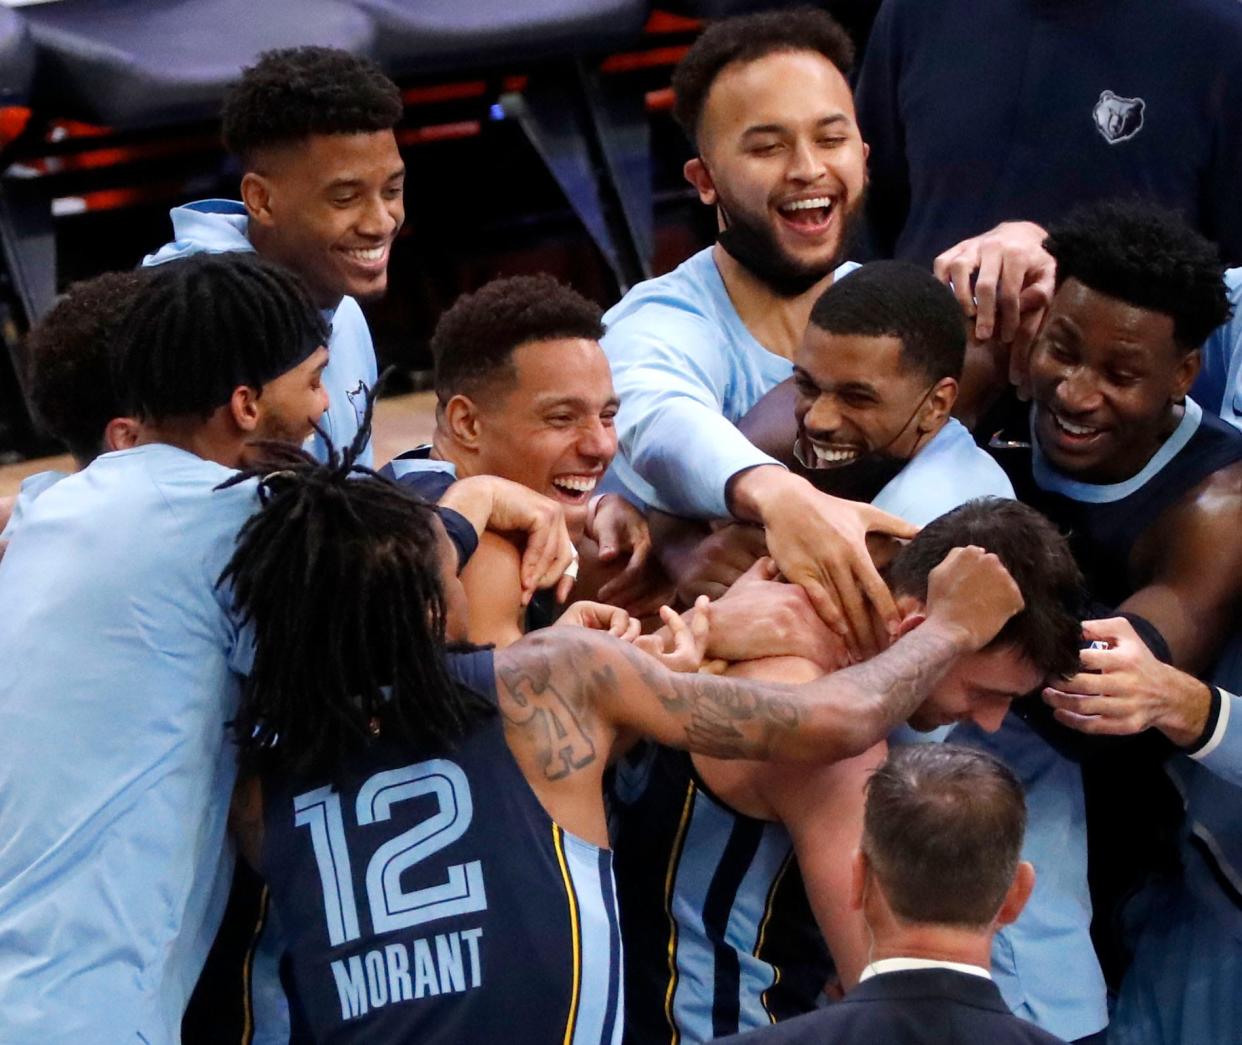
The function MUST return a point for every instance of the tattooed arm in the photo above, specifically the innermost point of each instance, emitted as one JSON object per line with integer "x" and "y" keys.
{"x": 569, "y": 692}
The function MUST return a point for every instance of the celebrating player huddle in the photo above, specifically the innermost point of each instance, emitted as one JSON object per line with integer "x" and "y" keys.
{"x": 748, "y": 659}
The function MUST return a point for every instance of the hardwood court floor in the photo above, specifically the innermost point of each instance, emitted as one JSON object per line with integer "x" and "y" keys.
{"x": 401, "y": 423}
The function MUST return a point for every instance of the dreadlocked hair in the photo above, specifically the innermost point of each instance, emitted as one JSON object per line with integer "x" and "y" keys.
{"x": 206, "y": 324}
{"x": 338, "y": 574}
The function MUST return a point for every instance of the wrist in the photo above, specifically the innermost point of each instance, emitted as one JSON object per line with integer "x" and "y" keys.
{"x": 963, "y": 638}
{"x": 1190, "y": 704}
{"x": 471, "y": 498}
{"x": 751, "y": 494}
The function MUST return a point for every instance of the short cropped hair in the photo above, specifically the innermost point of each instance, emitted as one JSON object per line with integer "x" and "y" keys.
{"x": 295, "y": 92}
{"x": 1048, "y": 630}
{"x": 748, "y": 38}
{"x": 474, "y": 340}
{"x": 1147, "y": 257}
{"x": 207, "y": 324}
{"x": 897, "y": 299}
{"x": 69, "y": 356}
{"x": 942, "y": 831}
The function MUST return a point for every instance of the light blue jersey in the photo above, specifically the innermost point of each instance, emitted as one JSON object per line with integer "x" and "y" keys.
{"x": 218, "y": 227}
{"x": 120, "y": 672}
{"x": 1219, "y": 386}
{"x": 31, "y": 487}
{"x": 1044, "y": 964}
{"x": 686, "y": 370}
{"x": 946, "y": 473}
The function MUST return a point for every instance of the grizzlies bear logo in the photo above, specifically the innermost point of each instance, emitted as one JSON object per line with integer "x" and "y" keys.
{"x": 1118, "y": 119}
{"x": 357, "y": 397}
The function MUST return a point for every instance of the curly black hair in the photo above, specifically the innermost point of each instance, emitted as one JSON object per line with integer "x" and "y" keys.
{"x": 69, "y": 359}
{"x": 1148, "y": 257}
{"x": 294, "y": 92}
{"x": 897, "y": 299}
{"x": 748, "y": 38}
{"x": 1038, "y": 557}
{"x": 475, "y": 339}
{"x": 338, "y": 575}
{"x": 206, "y": 324}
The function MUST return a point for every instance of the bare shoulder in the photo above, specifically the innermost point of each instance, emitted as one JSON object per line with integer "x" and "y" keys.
{"x": 1200, "y": 529}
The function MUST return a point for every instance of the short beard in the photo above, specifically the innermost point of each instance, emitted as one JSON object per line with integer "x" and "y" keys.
{"x": 753, "y": 245}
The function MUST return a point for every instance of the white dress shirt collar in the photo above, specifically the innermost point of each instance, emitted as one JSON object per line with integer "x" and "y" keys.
{"x": 905, "y": 964}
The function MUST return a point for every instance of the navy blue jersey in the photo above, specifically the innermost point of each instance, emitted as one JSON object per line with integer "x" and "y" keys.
{"x": 429, "y": 897}
{"x": 719, "y": 936}
{"x": 1104, "y": 522}
{"x": 1133, "y": 812}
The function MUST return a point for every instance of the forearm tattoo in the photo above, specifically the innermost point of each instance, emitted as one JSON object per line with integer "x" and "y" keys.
{"x": 722, "y": 717}
{"x": 898, "y": 680}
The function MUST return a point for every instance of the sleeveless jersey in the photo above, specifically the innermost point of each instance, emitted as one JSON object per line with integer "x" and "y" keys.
{"x": 1132, "y": 813}
{"x": 719, "y": 936}
{"x": 429, "y": 897}
{"x": 1105, "y": 521}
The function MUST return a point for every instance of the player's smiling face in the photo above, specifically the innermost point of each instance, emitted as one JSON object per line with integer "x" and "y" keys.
{"x": 1104, "y": 377}
{"x": 336, "y": 206}
{"x": 854, "y": 396}
{"x": 551, "y": 427}
{"x": 293, "y": 403}
{"x": 782, "y": 154}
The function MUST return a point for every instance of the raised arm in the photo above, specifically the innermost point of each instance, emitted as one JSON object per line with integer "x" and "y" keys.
{"x": 579, "y": 688}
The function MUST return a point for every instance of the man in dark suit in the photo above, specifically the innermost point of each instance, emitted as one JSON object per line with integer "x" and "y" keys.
{"x": 936, "y": 875}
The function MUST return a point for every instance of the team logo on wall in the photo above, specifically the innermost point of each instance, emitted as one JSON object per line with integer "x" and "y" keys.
{"x": 1118, "y": 119}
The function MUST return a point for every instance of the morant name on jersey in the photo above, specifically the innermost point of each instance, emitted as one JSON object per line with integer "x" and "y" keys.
{"x": 426, "y": 966}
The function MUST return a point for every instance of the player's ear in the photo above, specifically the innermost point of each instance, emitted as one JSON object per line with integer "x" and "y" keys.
{"x": 912, "y": 613}
{"x": 121, "y": 433}
{"x": 256, "y": 194}
{"x": 1188, "y": 368}
{"x": 1019, "y": 892}
{"x": 940, "y": 402}
{"x": 700, "y": 177}
{"x": 244, "y": 408}
{"x": 462, "y": 421}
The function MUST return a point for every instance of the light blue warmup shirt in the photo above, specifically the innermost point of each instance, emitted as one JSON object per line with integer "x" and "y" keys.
{"x": 121, "y": 666}
{"x": 31, "y": 487}
{"x": 1219, "y": 385}
{"x": 686, "y": 370}
{"x": 1044, "y": 963}
{"x": 218, "y": 227}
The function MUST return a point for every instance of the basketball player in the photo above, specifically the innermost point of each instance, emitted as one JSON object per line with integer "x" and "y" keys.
{"x": 1150, "y": 487}
{"x": 717, "y": 861}
{"x": 524, "y": 392}
{"x": 321, "y": 193}
{"x": 432, "y": 826}
{"x": 69, "y": 377}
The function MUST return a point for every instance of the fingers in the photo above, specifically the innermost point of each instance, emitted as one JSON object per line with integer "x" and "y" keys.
{"x": 1067, "y": 695}
{"x": 701, "y": 624}
{"x": 1009, "y": 298}
{"x": 986, "y": 290}
{"x": 880, "y": 599}
{"x": 954, "y": 267}
{"x": 877, "y": 521}
{"x": 566, "y": 569}
{"x": 861, "y": 640}
{"x": 1110, "y": 629}
{"x": 762, "y": 569}
{"x": 633, "y": 629}
{"x": 829, "y": 610}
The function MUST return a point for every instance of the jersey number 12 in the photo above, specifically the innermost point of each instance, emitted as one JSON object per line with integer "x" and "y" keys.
{"x": 391, "y": 906}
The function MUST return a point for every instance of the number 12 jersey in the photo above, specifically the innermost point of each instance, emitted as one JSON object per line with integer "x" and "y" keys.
{"x": 429, "y": 897}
